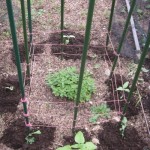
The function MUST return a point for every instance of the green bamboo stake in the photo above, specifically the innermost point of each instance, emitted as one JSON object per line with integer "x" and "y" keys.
{"x": 16, "y": 51}
{"x": 144, "y": 53}
{"x": 123, "y": 35}
{"x": 62, "y": 25}
{"x": 84, "y": 55}
{"x": 110, "y": 21}
{"x": 29, "y": 19}
{"x": 25, "y": 37}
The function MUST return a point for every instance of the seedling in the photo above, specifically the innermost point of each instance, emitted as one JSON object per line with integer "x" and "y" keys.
{"x": 30, "y": 139}
{"x": 11, "y": 88}
{"x": 99, "y": 111}
{"x": 123, "y": 125}
{"x": 66, "y": 38}
{"x": 124, "y": 87}
{"x": 80, "y": 144}
{"x": 64, "y": 83}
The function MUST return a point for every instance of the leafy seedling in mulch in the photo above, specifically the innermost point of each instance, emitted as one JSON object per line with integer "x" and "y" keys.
{"x": 80, "y": 144}
{"x": 101, "y": 111}
{"x": 30, "y": 139}
{"x": 66, "y": 38}
{"x": 123, "y": 125}
{"x": 64, "y": 83}
{"x": 124, "y": 88}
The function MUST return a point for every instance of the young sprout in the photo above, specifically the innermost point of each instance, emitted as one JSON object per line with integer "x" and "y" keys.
{"x": 124, "y": 87}
{"x": 66, "y": 38}
{"x": 30, "y": 138}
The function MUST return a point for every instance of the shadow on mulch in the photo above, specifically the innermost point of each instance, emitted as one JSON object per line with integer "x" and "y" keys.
{"x": 14, "y": 137}
{"x": 132, "y": 110}
{"x": 9, "y": 99}
{"x": 38, "y": 49}
{"x": 69, "y": 140}
{"x": 111, "y": 139}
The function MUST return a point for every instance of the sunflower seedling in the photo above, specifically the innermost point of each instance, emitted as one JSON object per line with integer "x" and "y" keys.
{"x": 80, "y": 144}
{"x": 66, "y": 38}
{"x": 30, "y": 139}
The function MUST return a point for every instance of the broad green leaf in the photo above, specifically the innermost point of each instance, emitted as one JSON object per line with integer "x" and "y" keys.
{"x": 124, "y": 120}
{"x": 127, "y": 90}
{"x": 67, "y": 147}
{"x": 37, "y": 132}
{"x": 90, "y": 146}
{"x": 75, "y": 146}
{"x": 79, "y": 138}
{"x": 120, "y": 89}
{"x": 71, "y": 36}
{"x": 125, "y": 85}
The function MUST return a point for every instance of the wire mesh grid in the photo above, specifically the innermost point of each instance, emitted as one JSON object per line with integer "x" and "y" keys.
{"x": 45, "y": 108}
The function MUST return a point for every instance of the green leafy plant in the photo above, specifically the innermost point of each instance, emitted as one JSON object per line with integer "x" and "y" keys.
{"x": 64, "y": 83}
{"x": 30, "y": 139}
{"x": 80, "y": 144}
{"x": 123, "y": 125}
{"x": 66, "y": 38}
{"x": 124, "y": 87}
{"x": 102, "y": 111}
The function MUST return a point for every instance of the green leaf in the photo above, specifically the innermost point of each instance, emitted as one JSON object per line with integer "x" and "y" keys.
{"x": 37, "y": 132}
{"x": 90, "y": 146}
{"x": 94, "y": 118}
{"x": 120, "y": 89}
{"x": 67, "y": 147}
{"x": 145, "y": 70}
{"x": 79, "y": 138}
{"x": 125, "y": 85}
{"x": 71, "y": 36}
{"x": 127, "y": 90}
{"x": 75, "y": 146}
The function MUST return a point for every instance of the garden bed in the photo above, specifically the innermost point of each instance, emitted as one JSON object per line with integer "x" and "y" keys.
{"x": 52, "y": 115}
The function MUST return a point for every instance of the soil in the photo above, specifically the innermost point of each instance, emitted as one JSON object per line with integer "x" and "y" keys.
{"x": 14, "y": 137}
{"x": 9, "y": 99}
{"x": 111, "y": 139}
{"x": 38, "y": 49}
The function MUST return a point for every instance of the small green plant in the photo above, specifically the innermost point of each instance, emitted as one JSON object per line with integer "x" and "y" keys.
{"x": 124, "y": 87}
{"x": 64, "y": 83}
{"x": 66, "y": 38}
{"x": 30, "y": 139}
{"x": 99, "y": 111}
{"x": 80, "y": 144}
{"x": 123, "y": 125}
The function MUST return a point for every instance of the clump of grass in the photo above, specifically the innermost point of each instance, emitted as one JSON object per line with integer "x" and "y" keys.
{"x": 101, "y": 111}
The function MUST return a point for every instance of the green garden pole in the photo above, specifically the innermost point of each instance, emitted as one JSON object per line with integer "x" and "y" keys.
{"x": 25, "y": 37}
{"x": 29, "y": 19}
{"x": 62, "y": 19}
{"x": 16, "y": 51}
{"x": 84, "y": 55}
{"x": 144, "y": 53}
{"x": 123, "y": 35}
{"x": 110, "y": 21}
{"x": 62, "y": 23}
